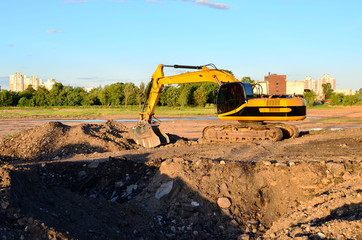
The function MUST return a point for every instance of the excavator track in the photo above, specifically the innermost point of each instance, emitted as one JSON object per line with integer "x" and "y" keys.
{"x": 249, "y": 132}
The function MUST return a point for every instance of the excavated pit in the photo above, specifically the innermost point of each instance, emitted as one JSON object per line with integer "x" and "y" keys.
{"x": 175, "y": 198}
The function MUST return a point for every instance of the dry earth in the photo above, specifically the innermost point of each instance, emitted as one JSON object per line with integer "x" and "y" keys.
{"x": 91, "y": 181}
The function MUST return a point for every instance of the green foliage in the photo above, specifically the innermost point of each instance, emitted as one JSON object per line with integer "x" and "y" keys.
{"x": 129, "y": 94}
{"x": 350, "y": 100}
{"x": 200, "y": 96}
{"x": 92, "y": 98}
{"x": 129, "y": 90}
{"x": 6, "y": 98}
{"x": 171, "y": 96}
{"x": 185, "y": 95}
{"x": 140, "y": 94}
{"x": 336, "y": 99}
{"x": 112, "y": 94}
{"x": 247, "y": 79}
{"x": 40, "y": 96}
{"x": 327, "y": 90}
{"x": 310, "y": 98}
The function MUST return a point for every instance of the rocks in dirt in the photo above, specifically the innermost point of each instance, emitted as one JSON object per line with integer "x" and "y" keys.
{"x": 243, "y": 237}
{"x": 82, "y": 174}
{"x": 164, "y": 189}
{"x": 223, "y": 202}
{"x": 131, "y": 188}
{"x": 93, "y": 164}
{"x": 4, "y": 205}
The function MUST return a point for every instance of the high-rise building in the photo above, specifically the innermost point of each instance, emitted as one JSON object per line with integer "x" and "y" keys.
{"x": 316, "y": 85}
{"x": 19, "y": 83}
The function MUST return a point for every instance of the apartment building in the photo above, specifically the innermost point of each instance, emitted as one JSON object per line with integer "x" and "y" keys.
{"x": 19, "y": 83}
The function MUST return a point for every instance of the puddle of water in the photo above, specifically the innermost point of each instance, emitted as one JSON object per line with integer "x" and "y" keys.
{"x": 126, "y": 120}
{"x": 328, "y": 128}
{"x": 313, "y": 117}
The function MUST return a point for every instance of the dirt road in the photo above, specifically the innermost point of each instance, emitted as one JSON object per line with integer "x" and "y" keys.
{"x": 90, "y": 181}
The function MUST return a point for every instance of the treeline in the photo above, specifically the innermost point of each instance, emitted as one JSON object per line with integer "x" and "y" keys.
{"x": 333, "y": 98}
{"x": 111, "y": 95}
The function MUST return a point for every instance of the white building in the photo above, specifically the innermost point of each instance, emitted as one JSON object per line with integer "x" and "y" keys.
{"x": 316, "y": 85}
{"x": 345, "y": 91}
{"x": 295, "y": 88}
{"x": 19, "y": 83}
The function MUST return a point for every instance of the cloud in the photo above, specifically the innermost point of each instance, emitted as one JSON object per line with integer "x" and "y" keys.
{"x": 54, "y": 31}
{"x": 212, "y": 4}
{"x": 11, "y": 45}
{"x": 208, "y": 3}
{"x": 75, "y": 1}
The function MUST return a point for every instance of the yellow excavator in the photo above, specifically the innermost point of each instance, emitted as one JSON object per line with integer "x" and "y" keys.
{"x": 235, "y": 101}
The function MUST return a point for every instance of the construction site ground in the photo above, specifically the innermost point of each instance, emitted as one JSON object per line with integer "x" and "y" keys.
{"x": 71, "y": 180}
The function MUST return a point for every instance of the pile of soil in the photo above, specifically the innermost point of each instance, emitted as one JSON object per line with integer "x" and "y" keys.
{"x": 54, "y": 140}
{"x": 304, "y": 188}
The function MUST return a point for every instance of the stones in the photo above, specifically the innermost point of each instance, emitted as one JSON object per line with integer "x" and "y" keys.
{"x": 243, "y": 237}
{"x": 131, "y": 188}
{"x": 164, "y": 189}
{"x": 267, "y": 163}
{"x": 321, "y": 235}
{"x": 4, "y": 205}
{"x": 223, "y": 202}
{"x": 93, "y": 164}
{"x": 82, "y": 174}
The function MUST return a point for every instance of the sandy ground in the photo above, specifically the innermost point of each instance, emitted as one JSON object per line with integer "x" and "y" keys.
{"x": 345, "y": 117}
{"x": 91, "y": 181}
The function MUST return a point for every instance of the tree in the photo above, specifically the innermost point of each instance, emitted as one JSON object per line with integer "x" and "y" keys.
{"x": 112, "y": 94}
{"x": 92, "y": 98}
{"x": 336, "y": 99}
{"x": 327, "y": 90}
{"x": 170, "y": 96}
{"x": 75, "y": 96}
{"x": 350, "y": 100}
{"x": 55, "y": 96}
{"x": 185, "y": 95}
{"x": 41, "y": 96}
{"x": 129, "y": 90}
{"x": 140, "y": 94}
{"x": 6, "y": 98}
{"x": 200, "y": 96}
{"x": 247, "y": 79}
{"x": 310, "y": 97}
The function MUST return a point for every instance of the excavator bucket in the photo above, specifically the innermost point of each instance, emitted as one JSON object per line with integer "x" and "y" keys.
{"x": 148, "y": 135}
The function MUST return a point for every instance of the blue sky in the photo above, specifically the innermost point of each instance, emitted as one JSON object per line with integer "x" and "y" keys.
{"x": 98, "y": 42}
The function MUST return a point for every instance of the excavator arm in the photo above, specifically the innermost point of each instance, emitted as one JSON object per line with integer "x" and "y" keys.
{"x": 204, "y": 74}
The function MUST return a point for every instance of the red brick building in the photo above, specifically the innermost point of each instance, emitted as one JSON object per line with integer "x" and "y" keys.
{"x": 277, "y": 84}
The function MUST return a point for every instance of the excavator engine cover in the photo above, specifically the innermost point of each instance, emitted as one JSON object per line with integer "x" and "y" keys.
{"x": 148, "y": 135}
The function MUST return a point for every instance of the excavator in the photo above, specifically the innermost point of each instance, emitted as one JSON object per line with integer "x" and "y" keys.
{"x": 258, "y": 115}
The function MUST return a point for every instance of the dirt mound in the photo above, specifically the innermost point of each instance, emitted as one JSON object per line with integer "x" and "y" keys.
{"x": 55, "y": 140}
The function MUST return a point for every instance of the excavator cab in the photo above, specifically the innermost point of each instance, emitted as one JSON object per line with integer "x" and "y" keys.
{"x": 232, "y": 95}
